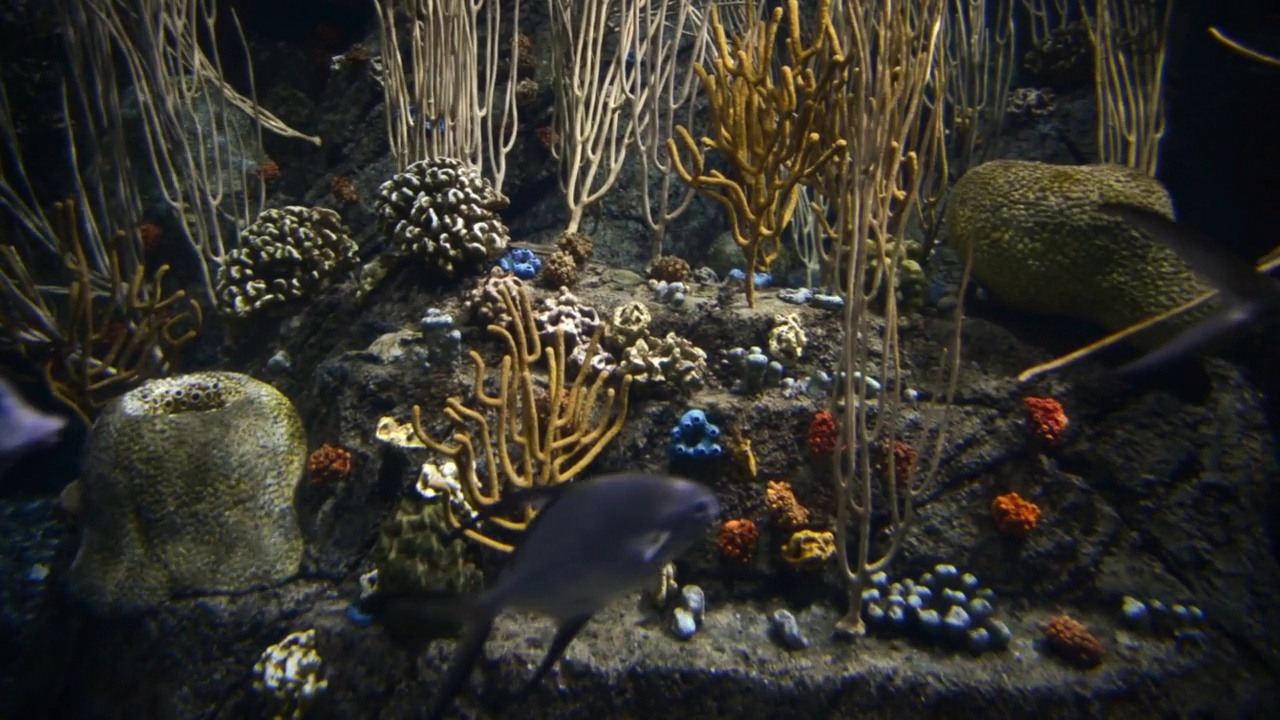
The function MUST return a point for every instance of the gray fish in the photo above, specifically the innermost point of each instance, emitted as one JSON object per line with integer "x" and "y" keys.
{"x": 22, "y": 427}
{"x": 1251, "y": 297}
{"x": 592, "y": 542}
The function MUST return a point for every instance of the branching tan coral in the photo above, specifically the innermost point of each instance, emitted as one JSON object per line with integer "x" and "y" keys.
{"x": 770, "y": 124}
{"x": 514, "y": 441}
{"x": 94, "y": 337}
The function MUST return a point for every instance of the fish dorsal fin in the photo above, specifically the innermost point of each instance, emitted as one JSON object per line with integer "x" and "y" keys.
{"x": 650, "y": 544}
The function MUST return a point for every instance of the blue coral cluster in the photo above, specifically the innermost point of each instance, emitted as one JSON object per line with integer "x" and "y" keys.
{"x": 523, "y": 262}
{"x": 762, "y": 280}
{"x": 695, "y": 438}
{"x": 941, "y": 606}
{"x": 1183, "y": 622}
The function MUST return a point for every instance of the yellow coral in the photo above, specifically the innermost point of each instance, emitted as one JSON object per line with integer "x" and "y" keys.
{"x": 809, "y": 549}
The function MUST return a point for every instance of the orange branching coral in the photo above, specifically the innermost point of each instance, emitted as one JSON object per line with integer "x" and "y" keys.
{"x": 329, "y": 464}
{"x": 810, "y": 549}
{"x": 1046, "y": 420}
{"x": 784, "y": 510}
{"x": 738, "y": 539}
{"x": 1014, "y": 516}
{"x": 822, "y": 433}
{"x": 1072, "y": 640}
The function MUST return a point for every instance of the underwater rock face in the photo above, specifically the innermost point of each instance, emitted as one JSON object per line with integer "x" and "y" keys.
{"x": 1041, "y": 245}
{"x": 188, "y": 488}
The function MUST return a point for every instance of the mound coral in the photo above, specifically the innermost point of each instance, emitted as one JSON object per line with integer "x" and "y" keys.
{"x": 1014, "y": 516}
{"x": 1040, "y": 243}
{"x": 737, "y": 539}
{"x": 1071, "y": 640}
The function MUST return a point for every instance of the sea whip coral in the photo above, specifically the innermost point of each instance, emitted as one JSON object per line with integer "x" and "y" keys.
{"x": 1046, "y": 419}
{"x": 738, "y": 539}
{"x": 822, "y": 433}
{"x": 1073, "y": 641}
{"x": 784, "y": 510}
{"x": 1014, "y": 516}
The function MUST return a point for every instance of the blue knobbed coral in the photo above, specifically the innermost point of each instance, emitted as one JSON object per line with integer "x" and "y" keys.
{"x": 523, "y": 262}
{"x": 695, "y": 437}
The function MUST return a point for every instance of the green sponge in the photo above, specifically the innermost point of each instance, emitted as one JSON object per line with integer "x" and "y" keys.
{"x": 1041, "y": 245}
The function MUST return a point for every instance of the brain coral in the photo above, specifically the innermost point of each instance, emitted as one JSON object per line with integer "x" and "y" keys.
{"x": 1041, "y": 245}
{"x": 188, "y": 486}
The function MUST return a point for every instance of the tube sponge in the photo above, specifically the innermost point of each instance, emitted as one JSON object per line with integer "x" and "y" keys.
{"x": 188, "y": 486}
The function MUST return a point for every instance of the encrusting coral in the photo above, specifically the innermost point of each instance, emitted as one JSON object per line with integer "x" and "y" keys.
{"x": 1040, "y": 243}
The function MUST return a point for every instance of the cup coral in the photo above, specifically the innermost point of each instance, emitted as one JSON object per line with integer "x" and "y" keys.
{"x": 1014, "y": 516}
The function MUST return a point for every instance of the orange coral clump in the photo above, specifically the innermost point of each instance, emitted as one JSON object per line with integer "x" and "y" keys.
{"x": 822, "y": 433}
{"x": 810, "y": 549}
{"x": 738, "y": 539}
{"x": 1072, "y": 640}
{"x": 1014, "y": 516}
{"x": 344, "y": 190}
{"x": 784, "y": 510}
{"x": 329, "y": 464}
{"x": 1046, "y": 419}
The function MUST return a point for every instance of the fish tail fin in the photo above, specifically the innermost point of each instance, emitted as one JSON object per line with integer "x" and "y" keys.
{"x": 469, "y": 649}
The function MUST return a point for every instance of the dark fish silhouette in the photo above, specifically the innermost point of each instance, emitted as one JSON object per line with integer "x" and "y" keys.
{"x": 592, "y": 542}
{"x": 22, "y": 427}
{"x": 1251, "y": 297}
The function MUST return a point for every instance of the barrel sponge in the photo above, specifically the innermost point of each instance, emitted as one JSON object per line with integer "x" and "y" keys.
{"x": 188, "y": 488}
{"x": 1041, "y": 245}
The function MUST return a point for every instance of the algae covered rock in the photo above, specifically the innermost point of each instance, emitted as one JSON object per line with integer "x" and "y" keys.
{"x": 1041, "y": 245}
{"x": 188, "y": 486}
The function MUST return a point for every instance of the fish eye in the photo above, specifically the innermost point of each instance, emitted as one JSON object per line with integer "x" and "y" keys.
{"x": 702, "y": 508}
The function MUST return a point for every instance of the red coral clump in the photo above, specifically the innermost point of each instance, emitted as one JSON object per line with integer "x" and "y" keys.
{"x": 904, "y": 461}
{"x": 738, "y": 538}
{"x": 784, "y": 510}
{"x": 1046, "y": 420}
{"x": 149, "y": 233}
{"x": 329, "y": 464}
{"x": 822, "y": 433}
{"x": 269, "y": 171}
{"x": 1072, "y": 640}
{"x": 1014, "y": 516}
